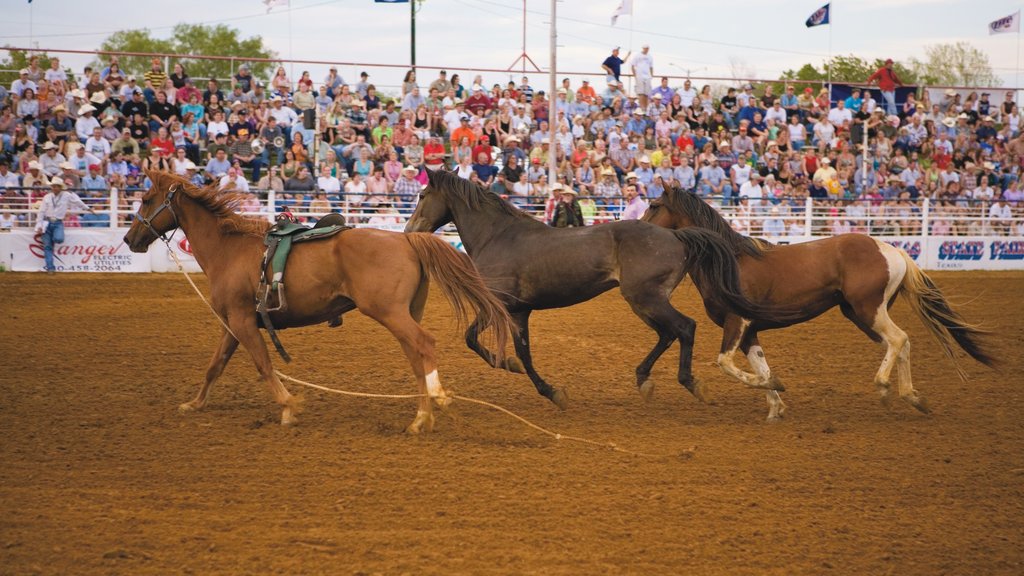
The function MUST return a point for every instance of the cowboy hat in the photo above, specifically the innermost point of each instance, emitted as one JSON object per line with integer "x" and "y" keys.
{"x": 411, "y": 168}
{"x": 950, "y": 92}
{"x": 949, "y": 122}
{"x": 98, "y": 98}
{"x": 631, "y": 175}
{"x": 49, "y": 146}
{"x": 86, "y": 109}
{"x": 35, "y": 165}
{"x": 57, "y": 182}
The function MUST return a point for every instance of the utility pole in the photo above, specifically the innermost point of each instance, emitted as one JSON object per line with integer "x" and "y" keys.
{"x": 552, "y": 100}
{"x": 412, "y": 34}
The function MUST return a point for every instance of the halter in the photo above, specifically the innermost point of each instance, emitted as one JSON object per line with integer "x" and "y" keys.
{"x": 165, "y": 206}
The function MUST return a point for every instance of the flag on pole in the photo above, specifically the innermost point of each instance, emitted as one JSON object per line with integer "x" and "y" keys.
{"x": 271, "y": 4}
{"x": 1006, "y": 24}
{"x": 820, "y": 16}
{"x": 625, "y": 9}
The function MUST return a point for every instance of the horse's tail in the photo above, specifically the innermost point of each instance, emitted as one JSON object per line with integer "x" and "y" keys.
{"x": 943, "y": 322}
{"x": 711, "y": 262}
{"x": 461, "y": 284}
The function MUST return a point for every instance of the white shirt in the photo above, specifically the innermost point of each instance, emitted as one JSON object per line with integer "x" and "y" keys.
{"x": 998, "y": 212}
{"x": 740, "y": 173}
{"x": 750, "y": 190}
{"x": 238, "y": 183}
{"x": 52, "y": 75}
{"x": 686, "y": 96}
{"x": 9, "y": 180}
{"x": 644, "y": 66}
{"x": 285, "y": 116}
{"x": 214, "y": 128}
{"x": 356, "y": 192}
{"x": 84, "y": 126}
{"x": 778, "y": 115}
{"x": 837, "y": 116}
{"x": 57, "y": 206}
{"x": 98, "y": 147}
{"x": 329, "y": 184}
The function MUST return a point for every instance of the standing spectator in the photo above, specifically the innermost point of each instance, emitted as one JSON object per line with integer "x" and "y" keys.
{"x": 441, "y": 84}
{"x": 568, "y": 212}
{"x": 50, "y": 218}
{"x": 887, "y": 83}
{"x": 155, "y": 79}
{"x": 363, "y": 86}
{"x": 612, "y": 65}
{"x": 643, "y": 73}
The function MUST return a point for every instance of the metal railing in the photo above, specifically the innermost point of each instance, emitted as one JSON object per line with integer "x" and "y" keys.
{"x": 793, "y": 218}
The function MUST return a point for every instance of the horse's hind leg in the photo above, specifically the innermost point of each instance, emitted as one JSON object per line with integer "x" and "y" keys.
{"x": 220, "y": 359}
{"x": 418, "y": 346}
{"x": 657, "y": 312}
{"x": 897, "y": 355}
{"x": 512, "y": 364}
{"x": 522, "y": 344}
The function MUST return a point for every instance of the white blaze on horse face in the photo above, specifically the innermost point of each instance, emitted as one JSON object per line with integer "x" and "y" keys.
{"x": 434, "y": 385}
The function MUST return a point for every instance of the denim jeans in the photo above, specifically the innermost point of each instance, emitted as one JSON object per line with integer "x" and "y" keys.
{"x": 54, "y": 234}
{"x": 890, "y": 102}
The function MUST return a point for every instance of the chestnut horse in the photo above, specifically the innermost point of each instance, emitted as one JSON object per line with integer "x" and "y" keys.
{"x": 532, "y": 266}
{"x": 382, "y": 274}
{"x": 858, "y": 273}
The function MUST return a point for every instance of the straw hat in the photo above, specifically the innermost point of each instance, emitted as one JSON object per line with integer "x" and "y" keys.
{"x": 949, "y": 122}
{"x": 59, "y": 108}
{"x": 950, "y": 92}
{"x": 411, "y": 168}
{"x": 631, "y": 175}
{"x": 35, "y": 165}
{"x": 57, "y": 182}
{"x": 98, "y": 98}
{"x": 67, "y": 166}
{"x": 86, "y": 109}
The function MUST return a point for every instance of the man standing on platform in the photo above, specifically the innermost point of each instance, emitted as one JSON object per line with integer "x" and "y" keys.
{"x": 887, "y": 83}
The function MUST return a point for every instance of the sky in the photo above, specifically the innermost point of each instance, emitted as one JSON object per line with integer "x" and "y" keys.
{"x": 708, "y": 38}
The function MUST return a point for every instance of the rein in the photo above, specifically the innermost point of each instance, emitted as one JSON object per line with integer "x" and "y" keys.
{"x": 166, "y": 205}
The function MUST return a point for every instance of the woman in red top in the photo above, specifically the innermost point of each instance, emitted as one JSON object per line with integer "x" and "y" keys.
{"x": 163, "y": 142}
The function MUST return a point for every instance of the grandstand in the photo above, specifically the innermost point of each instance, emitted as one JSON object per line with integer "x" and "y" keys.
{"x": 799, "y": 165}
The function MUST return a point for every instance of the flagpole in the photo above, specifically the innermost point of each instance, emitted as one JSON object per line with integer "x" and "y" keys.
{"x": 291, "y": 54}
{"x": 1016, "y": 77}
{"x": 830, "y": 24}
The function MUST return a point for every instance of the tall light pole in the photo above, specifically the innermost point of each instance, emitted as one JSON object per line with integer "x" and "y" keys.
{"x": 552, "y": 100}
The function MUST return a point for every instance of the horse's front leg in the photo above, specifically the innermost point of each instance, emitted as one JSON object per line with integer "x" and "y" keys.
{"x": 243, "y": 324}
{"x": 522, "y": 344}
{"x": 221, "y": 356}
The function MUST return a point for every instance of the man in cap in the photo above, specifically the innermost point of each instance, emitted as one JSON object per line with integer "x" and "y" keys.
{"x": 126, "y": 145}
{"x": 887, "y": 82}
{"x": 69, "y": 175}
{"x": 286, "y": 117}
{"x": 241, "y": 151}
{"x": 23, "y": 83}
{"x": 586, "y": 93}
{"x": 643, "y": 73}
{"x": 441, "y": 84}
{"x": 50, "y": 218}
{"x": 612, "y": 65}
{"x": 463, "y": 131}
{"x": 478, "y": 102}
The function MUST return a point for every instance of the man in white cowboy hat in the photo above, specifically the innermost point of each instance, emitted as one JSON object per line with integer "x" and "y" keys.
{"x": 407, "y": 187}
{"x": 86, "y": 122}
{"x": 51, "y": 160}
{"x": 35, "y": 177}
{"x": 50, "y": 218}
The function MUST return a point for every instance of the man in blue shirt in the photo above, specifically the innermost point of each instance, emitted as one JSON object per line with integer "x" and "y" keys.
{"x": 612, "y": 65}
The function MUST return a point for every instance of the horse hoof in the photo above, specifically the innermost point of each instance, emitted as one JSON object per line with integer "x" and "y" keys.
{"x": 187, "y": 407}
{"x": 920, "y": 403}
{"x": 775, "y": 384}
{"x": 515, "y": 365}
{"x": 423, "y": 422}
{"x": 774, "y": 419}
{"x": 699, "y": 390}
{"x": 560, "y": 398}
{"x": 288, "y": 419}
{"x": 443, "y": 402}
{"x": 886, "y": 400}
{"x": 647, "y": 392}
{"x": 335, "y": 322}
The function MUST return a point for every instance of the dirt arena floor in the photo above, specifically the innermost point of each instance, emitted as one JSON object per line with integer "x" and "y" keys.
{"x": 100, "y": 474}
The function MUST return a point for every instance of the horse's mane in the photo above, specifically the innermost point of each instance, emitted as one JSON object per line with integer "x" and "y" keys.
{"x": 222, "y": 203}
{"x": 704, "y": 216}
{"x": 473, "y": 195}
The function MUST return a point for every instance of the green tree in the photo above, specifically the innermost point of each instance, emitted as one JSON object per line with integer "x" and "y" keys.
{"x": 219, "y": 40}
{"x": 18, "y": 59}
{"x": 848, "y": 70}
{"x": 959, "y": 64}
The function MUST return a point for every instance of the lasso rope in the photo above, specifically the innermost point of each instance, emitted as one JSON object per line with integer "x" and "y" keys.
{"x": 685, "y": 454}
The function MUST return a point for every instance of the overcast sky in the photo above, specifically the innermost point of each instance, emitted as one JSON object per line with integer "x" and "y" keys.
{"x": 708, "y": 38}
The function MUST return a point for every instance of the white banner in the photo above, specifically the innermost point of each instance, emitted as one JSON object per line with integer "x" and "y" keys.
{"x": 974, "y": 253}
{"x": 83, "y": 250}
{"x": 1005, "y": 25}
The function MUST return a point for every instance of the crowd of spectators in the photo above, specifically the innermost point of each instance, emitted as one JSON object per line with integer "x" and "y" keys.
{"x": 329, "y": 145}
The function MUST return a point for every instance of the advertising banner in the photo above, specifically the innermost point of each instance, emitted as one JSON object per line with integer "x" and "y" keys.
{"x": 82, "y": 251}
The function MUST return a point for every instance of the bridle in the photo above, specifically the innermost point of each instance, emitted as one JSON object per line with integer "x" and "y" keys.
{"x": 165, "y": 206}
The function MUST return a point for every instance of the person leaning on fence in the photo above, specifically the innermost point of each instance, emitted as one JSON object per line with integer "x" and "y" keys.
{"x": 568, "y": 212}
{"x": 50, "y": 218}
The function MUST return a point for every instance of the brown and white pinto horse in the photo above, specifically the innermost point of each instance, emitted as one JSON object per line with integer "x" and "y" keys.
{"x": 859, "y": 274}
{"x": 382, "y": 274}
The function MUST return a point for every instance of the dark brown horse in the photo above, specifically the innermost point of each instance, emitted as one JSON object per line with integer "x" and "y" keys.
{"x": 859, "y": 274}
{"x": 531, "y": 266}
{"x": 382, "y": 274}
